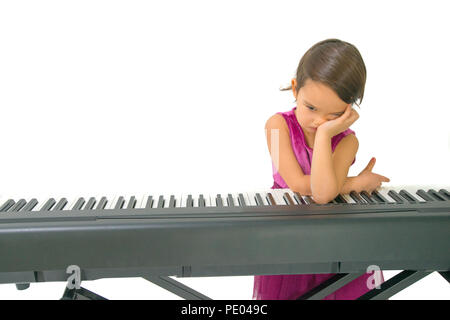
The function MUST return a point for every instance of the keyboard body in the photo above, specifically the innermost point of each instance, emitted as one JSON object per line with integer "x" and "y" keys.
{"x": 230, "y": 235}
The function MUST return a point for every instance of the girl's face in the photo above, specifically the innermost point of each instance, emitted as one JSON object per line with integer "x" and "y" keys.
{"x": 316, "y": 103}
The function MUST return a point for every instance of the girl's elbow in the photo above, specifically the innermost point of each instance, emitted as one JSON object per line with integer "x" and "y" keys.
{"x": 322, "y": 198}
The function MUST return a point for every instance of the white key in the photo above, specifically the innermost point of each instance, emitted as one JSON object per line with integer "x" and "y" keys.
{"x": 348, "y": 198}
{"x": 40, "y": 204}
{"x": 384, "y": 192}
{"x": 111, "y": 202}
{"x": 276, "y": 196}
{"x": 251, "y": 198}
{"x": 279, "y": 194}
{"x": 292, "y": 194}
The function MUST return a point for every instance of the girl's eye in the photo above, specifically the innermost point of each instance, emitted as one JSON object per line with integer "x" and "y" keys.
{"x": 310, "y": 108}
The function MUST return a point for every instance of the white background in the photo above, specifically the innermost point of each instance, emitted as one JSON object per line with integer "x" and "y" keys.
{"x": 125, "y": 97}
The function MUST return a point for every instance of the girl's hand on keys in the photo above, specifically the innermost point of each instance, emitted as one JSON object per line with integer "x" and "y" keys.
{"x": 369, "y": 180}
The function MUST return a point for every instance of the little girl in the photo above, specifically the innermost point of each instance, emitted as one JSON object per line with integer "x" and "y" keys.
{"x": 330, "y": 77}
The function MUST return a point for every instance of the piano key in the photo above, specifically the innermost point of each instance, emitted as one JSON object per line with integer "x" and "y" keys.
{"x": 445, "y": 193}
{"x": 279, "y": 196}
{"x": 379, "y": 197}
{"x": 219, "y": 201}
{"x": 273, "y": 197}
{"x": 178, "y": 200}
{"x": 340, "y": 199}
{"x": 132, "y": 202}
{"x": 60, "y": 205}
{"x": 201, "y": 201}
{"x": 101, "y": 204}
{"x": 298, "y": 198}
{"x": 357, "y": 197}
{"x": 251, "y": 196}
{"x": 147, "y": 202}
{"x": 425, "y": 195}
{"x": 189, "y": 201}
{"x": 90, "y": 204}
{"x": 364, "y": 194}
{"x": 436, "y": 195}
{"x": 348, "y": 199}
{"x": 243, "y": 200}
{"x": 30, "y": 205}
{"x": 260, "y": 200}
{"x": 171, "y": 202}
{"x": 119, "y": 203}
{"x": 48, "y": 204}
{"x": 79, "y": 204}
{"x": 288, "y": 198}
{"x": 408, "y": 196}
{"x": 235, "y": 197}
{"x": 160, "y": 202}
{"x": 111, "y": 202}
{"x": 394, "y": 195}
{"x": 270, "y": 198}
{"x": 383, "y": 191}
{"x": 230, "y": 201}
{"x": 6, "y": 205}
{"x": 18, "y": 205}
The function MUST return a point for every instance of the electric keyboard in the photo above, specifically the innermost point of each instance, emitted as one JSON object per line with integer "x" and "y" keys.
{"x": 275, "y": 231}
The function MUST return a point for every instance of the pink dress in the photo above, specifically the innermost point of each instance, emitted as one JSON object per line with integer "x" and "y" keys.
{"x": 290, "y": 287}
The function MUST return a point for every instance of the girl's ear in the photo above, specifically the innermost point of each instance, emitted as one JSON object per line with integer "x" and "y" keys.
{"x": 294, "y": 86}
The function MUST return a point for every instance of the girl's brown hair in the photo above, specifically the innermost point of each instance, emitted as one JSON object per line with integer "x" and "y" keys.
{"x": 337, "y": 64}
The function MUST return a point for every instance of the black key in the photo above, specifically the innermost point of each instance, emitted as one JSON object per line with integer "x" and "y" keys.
{"x": 60, "y": 205}
{"x": 30, "y": 205}
{"x": 408, "y": 196}
{"x": 131, "y": 203}
{"x": 308, "y": 200}
{"x": 101, "y": 204}
{"x": 172, "y": 201}
{"x": 379, "y": 197}
{"x": 287, "y": 197}
{"x": 230, "y": 200}
{"x": 394, "y": 195}
{"x": 270, "y": 199}
{"x": 79, "y": 204}
{"x": 436, "y": 195}
{"x": 424, "y": 195}
{"x": 299, "y": 198}
{"x": 219, "y": 201}
{"x": 160, "y": 201}
{"x": 367, "y": 197}
{"x": 120, "y": 202}
{"x": 149, "y": 202}
{"x": 6, "y": 205}
{"x": 201, "y": 201}
{"x": 90, "y": 204}
{"x": 18, "y": 205}
{"x": 445, "y": 193}
{"x": 259, "y": 201}
{"x": 48, "y": 204}
{"x": 189, "y": 201}
{"x": 241, "y": 200}
{"x": 340, "y": 199}
{"x": 355, "y": 196}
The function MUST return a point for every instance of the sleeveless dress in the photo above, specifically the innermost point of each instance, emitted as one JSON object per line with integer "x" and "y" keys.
{"x": 290, "y": 287}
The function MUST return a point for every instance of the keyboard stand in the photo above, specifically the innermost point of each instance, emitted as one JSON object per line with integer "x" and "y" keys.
{"x": 387, "y": 289}
{"x": 80, "y": 294}
{"x": 164, "y": 282}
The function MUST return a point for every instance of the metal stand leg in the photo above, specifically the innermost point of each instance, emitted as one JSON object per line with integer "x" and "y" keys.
{"x": 394, "y": 285}
{"x": 177, "y": 288}
{"x": 329, "y": 286}
{"x": 80, "y": 294}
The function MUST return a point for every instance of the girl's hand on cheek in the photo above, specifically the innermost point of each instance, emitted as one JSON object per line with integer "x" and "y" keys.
{"x": 336, "y": 126}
